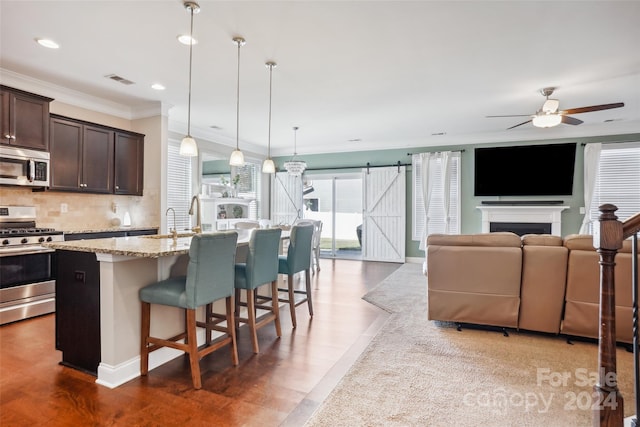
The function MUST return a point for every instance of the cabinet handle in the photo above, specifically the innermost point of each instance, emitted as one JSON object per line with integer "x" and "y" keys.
{"x": 7, "y": 136}
{"x": 117, "y": 187}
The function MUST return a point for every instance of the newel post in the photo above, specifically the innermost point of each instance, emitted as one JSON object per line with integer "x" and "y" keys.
{"x": 608, "y": 403}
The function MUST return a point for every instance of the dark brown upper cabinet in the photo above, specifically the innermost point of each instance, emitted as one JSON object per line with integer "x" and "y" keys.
{"x": 90, "y": 158}
{"x": 24, "y": 119}
{"x": 129, "y": 163}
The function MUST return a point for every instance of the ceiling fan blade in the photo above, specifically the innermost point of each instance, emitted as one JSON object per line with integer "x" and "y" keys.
{"x": 592, "y": 108}
{"x": 571, "y": 120}
{"x": 519, "y": 124}
{"x": 511, "y": 115}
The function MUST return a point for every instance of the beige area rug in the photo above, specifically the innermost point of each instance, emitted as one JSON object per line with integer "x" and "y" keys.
{"x": 418, "y": 372}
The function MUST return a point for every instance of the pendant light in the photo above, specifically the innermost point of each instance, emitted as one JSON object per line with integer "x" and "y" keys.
{"x": 295, "y": 167}
{"x": 268, "y": 166}
{"x": 237, "y": 158}
{"x": 188, "y": 146}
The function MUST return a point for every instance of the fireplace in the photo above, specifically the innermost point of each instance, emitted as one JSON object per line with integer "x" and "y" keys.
{"x": 521, "y": 228}
{"x": 522, "y": 219}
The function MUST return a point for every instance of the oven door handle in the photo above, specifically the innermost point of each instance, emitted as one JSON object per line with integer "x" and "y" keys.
{"x": 25, "y": 251}
{"x": 31, "y": 173}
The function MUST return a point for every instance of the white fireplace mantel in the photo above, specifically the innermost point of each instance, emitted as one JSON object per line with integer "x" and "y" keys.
{"x": 523, "y": 213}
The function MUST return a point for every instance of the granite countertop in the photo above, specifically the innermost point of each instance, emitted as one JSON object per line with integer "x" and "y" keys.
{"x": 153, "y": 246}
{"x": 141, "y": 246}
{"x": 110, "y": 229}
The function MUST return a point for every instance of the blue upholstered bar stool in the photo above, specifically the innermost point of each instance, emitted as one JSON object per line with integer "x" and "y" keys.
{"x": 260, "y": 269}
{"x": 210, "y": 277}
{"x": 296, "y": 260}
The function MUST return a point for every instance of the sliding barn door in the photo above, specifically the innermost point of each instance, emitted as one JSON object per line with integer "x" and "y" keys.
{"x": 286, "y": 198}
{"x": 384, "y": 218}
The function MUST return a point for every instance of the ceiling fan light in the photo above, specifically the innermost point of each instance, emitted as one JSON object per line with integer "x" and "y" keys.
{"x": 188, "y": 147}
{"x": 268, "y": 166}
{"x": 550, "y": 106}
{"x": 547, "y": 120}
{"x": 237, "y": 158}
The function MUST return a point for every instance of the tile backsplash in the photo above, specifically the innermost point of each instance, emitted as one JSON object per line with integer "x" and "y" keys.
{"x": 85, "y": 211}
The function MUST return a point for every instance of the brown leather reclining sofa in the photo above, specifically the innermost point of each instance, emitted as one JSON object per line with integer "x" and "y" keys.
{"x": 539, "y": 283}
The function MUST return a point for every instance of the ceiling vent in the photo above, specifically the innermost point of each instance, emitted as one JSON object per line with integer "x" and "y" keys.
{"x": 119, "y": 79}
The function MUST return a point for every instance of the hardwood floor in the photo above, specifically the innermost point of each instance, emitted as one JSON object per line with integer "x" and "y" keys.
{"x": 281, "y": 386}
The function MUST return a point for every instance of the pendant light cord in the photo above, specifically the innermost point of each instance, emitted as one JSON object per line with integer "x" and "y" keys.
{"x": 270, "y": 65}
{"x": 295, "y": 142}
{"x": 190, "y": 67}
{"x": 239, "y": 42}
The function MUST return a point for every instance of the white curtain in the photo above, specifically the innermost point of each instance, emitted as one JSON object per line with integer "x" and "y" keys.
{"x": 591, "y": 165}
{"x": 445, "y": 159}
{"x": 427, "y": 189}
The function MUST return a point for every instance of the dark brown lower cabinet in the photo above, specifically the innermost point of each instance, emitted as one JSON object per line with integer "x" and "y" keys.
{"x": 78, "y": 310}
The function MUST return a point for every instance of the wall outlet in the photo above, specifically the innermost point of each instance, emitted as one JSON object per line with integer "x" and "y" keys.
{"x": 64, "y": 208}
{"x": 79, "y": 276}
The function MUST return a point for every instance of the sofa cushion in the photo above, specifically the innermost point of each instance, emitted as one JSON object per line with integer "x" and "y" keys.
{"x": 506, "y": 239}
{"x": 584, "y": 242}
{"x": 541, "y": 240}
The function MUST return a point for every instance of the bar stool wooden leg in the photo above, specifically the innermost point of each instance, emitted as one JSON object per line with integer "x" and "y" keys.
{"x": 231, "y": 330}
{"x": 144, "y": 334}
{"x": 292, "y": 300}
{"x": 251, "y": 317}
{"x": 275, "y": 306}
{"x": 194, "y": 357}
{"x": 308, "y": 287}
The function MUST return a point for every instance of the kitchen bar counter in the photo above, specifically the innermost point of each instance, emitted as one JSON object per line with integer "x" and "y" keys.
{"x": 110, "y": 229}
{"x": 105, "y": 276}
{"x": 139, "y": 246}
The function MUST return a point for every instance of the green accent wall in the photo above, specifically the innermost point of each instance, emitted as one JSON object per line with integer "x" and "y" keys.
{"x": 470, "y": 216}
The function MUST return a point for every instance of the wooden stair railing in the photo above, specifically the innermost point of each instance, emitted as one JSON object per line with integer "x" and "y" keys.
{"x": 609, "y": 233}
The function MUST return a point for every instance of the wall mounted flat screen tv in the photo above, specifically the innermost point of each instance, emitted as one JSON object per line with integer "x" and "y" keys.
{"x": 525, "y": 170}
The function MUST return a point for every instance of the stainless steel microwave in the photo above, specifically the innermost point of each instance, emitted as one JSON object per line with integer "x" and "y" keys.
{"x": 20, "y": 166}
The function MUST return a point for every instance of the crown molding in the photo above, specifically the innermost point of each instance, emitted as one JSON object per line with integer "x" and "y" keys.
{"x": 80, "y": 99}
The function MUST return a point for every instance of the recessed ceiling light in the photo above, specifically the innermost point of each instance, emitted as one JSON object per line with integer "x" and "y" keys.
{"x": 215, "y": 127}
{"x": 157, "y": 86}
{"x": 187, "y": 39}
{"x": 355, "y": 140}
{"x": 438, "y": 134}
{"x": 48, "y": 43}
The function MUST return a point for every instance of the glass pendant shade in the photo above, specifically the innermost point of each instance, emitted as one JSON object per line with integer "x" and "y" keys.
{"x": 547, "y": 120}
{"x": 268, "y": 166}
{"x": 237, "y": 158}
{"x": 295, "y": 167}
{"x": 188, "y": 147}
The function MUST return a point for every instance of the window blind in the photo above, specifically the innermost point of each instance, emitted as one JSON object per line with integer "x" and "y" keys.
{"x": 178, "y": 186}
{"x": 618, "y": 180}
{"x": 436, "y": 214}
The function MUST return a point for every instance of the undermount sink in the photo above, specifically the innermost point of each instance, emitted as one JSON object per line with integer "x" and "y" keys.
{"x": 167, "y": 236}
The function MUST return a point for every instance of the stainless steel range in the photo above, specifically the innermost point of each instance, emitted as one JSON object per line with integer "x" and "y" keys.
{"x": 27, "y": 284}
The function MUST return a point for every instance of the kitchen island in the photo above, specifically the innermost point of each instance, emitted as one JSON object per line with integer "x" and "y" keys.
{"x": 99, "y": 279}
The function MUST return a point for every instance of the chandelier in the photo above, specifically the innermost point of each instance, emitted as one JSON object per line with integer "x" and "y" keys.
{"x": 295, "y": 167}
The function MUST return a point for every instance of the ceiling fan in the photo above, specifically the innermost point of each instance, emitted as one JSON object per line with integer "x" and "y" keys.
{"x": 548, "y": 115}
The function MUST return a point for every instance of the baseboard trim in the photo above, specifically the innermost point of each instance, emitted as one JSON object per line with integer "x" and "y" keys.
{"x": 114, "y": 376}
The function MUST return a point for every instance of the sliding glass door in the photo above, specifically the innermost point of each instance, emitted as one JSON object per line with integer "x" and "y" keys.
{"x": 336, "y": 200}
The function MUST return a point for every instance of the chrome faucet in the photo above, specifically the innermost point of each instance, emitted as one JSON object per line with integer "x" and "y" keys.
{"x": 198, "y": 228}
{"x": 173, "y": 231}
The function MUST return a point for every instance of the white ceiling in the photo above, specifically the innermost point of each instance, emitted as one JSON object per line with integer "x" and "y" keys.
{"x": 391, "y": 74}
